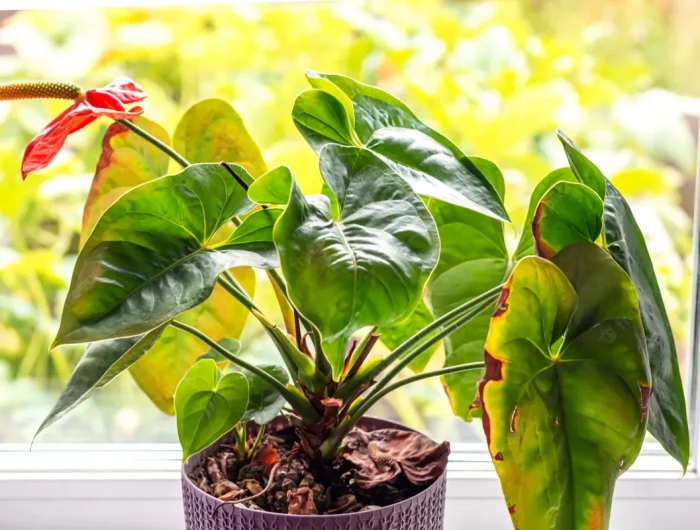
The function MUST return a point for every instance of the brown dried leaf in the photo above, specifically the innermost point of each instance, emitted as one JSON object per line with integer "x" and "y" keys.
{"x": 252, "y": 486}
{"x": 214, "y": 471}
{"x": 301, "y": 502}
{"x": 381, "y": 456}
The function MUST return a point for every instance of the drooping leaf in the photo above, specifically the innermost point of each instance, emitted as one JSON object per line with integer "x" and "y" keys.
{"x": 668, "y": 420}
{"x": 367, "y": 267}
{"x": 208, "y": 404}
{"x": 220, "y": 317}
{"x": 427, "y": 160}
{"x": 127, "y": 160}
{"x": 558, "y": 456}
{"x": 212, "y": 131}
{"x": 473, "y": 259}
{"x": 272, "y": 187}
{"x": 101, "y": 362}
{"x": 265, "y": 401}
{"x": 150, "y": 256}
{"x": 492, "y": 173}
{"x": 433, "y": 170}
{"x": 395, "y": 334}
{"x": 526, "y": 244}
{"x": 568, "y": 213}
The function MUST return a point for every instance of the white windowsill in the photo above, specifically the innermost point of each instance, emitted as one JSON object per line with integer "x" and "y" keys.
{"x": 137, "y": 487}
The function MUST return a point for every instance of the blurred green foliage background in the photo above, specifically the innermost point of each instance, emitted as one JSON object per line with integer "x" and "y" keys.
{"x": 496, "y": 76}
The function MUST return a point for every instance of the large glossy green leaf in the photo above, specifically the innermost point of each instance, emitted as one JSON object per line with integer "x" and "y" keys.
{"x": 568, "y": 213}
{"x": 473, "y": 259}
{"x": 668, "y": 420}
{"x": 127, "y": 160}
{"x": 428, "y": 161}
{"x": 101, "y": 362}
{"x": 208, "y": 404}
{"x": 365, "y": 268}
{"x": 151, "y": 256}
{"x": 433, "y": 170}
{"x": 373, "y": 108}
{"x": 563, "y": 418}
{"x": 212, "y": 131}
{"x": 265, "y": 401}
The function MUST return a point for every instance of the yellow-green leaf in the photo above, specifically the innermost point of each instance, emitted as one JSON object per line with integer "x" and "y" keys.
{"x": 212, "y": 131}
{"x": 566, "y": 387}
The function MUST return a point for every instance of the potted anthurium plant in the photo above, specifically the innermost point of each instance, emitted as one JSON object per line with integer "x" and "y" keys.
{"x": 562, "y": 347}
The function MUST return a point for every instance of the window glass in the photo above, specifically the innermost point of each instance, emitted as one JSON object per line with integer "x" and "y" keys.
{"x": 497, "y": 77}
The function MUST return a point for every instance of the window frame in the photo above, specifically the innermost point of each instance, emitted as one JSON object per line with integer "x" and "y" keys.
{"x": 137, "y": 486}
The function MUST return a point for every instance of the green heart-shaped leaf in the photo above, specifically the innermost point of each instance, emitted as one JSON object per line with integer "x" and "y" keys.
{"x": 127, "y": 160}
{"x": 526, "y": 245}
{"x": 101, "y": 362}
{"x": 344, "y": 111}
{"x": 273, "y": 187}
{"x": 212, "y": 131}
{"x": 265, "y": 402}
{"x": 668, "y": 420}
{"x": 369, "y": 266}
{"x": 557, "y": 456}
{"x": 568, "y": 213}
{"x": 208, "y": 405}
{"x": 151, "y": 255}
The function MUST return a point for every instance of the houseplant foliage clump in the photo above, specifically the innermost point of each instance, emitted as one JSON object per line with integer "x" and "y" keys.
{"x": 562, "y": 346}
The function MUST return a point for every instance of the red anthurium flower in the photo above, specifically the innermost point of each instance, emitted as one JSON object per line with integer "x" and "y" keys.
{"x": 86, "y": 108}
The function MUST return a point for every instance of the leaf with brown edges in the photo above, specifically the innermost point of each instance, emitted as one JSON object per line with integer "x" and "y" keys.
{"x": 566, "y": 388}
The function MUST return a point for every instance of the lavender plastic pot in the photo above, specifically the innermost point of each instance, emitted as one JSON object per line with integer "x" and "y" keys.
{"x": 425, "y": 511}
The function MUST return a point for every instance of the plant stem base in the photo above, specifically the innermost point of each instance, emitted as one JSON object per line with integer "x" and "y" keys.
{"x": 424, "y": 511}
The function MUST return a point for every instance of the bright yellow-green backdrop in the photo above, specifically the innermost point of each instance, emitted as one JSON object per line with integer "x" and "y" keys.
{"x": 495, "y": 76}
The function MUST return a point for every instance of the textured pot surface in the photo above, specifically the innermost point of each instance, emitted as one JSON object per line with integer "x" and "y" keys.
{"x": 425, "y": 511}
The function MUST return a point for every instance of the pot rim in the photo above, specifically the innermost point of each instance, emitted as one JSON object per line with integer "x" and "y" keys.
{"x": 378, "y": 422}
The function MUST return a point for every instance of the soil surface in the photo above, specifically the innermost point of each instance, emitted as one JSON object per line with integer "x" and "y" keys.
{"x": 374, "y": 469}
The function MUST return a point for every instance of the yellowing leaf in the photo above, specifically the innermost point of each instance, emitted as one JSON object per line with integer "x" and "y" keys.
{"x": 212, "y": 131}
{"x": 127, "y": 160}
